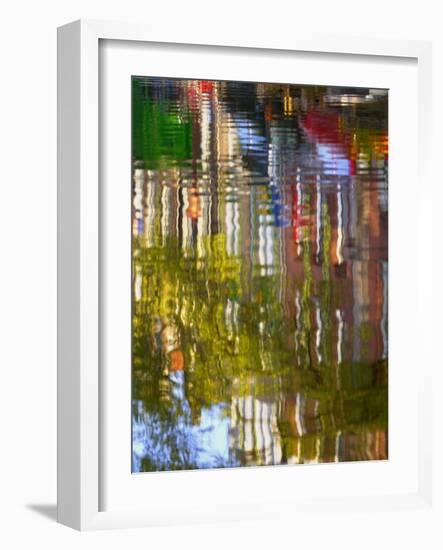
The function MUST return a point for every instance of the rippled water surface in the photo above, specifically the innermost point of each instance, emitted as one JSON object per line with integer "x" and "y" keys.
{"x": 260, "y": 272}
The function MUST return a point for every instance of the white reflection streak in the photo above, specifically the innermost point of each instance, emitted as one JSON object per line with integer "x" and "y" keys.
{"x": 232, "y": 227}
{"x": 259, "y": 434}
{"x": 270, "y": 248}
{"x": 166, "y": 212}
{"x": 340, "y": 226}
{"x": 138, "y": 192}
{"x": 138, "y": 283}
{"x": 150, "y": 213}
{"x": 261, "y": 243}
{"x": 205, "y": 126}
{"x": 318, "y": 213}
{"x": 299, "y": 203}
{"x": 186, "y": 231}
{"x": 318, "y": 332}
{"x": 299, "y": 414}
{"x": 337, "y": 446}
{"x": 297, "y": 318}
{"x": 201, "y": 228}
{"x": 265, "y": 244}
{"x": 340, "y": 328}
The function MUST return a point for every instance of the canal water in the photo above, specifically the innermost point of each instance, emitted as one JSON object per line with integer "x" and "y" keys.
{"x": 259, "y": 274}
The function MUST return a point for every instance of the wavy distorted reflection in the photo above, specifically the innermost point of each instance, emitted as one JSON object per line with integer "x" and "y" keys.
{"x": 260, "y": 269}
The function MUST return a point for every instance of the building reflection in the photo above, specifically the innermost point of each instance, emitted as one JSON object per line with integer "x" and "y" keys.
{"x": 260, "y": 274}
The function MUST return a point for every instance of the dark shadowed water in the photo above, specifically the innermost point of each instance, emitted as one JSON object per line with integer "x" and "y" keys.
{"x": 260, "y": 272}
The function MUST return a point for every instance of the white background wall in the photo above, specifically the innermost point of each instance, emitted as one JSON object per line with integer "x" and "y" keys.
{"x": 28, "y": 261}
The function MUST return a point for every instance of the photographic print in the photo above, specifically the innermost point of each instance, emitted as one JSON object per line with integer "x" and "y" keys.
{"x": 259, "y": 274}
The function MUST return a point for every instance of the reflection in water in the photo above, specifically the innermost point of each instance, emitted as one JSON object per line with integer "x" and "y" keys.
{"x": 260, "y": 269}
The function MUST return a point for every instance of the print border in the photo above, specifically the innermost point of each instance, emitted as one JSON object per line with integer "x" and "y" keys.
{"x": 79, "y": 254}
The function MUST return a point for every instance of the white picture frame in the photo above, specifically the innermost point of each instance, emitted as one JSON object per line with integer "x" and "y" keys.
{"x": 79, "y": 294}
